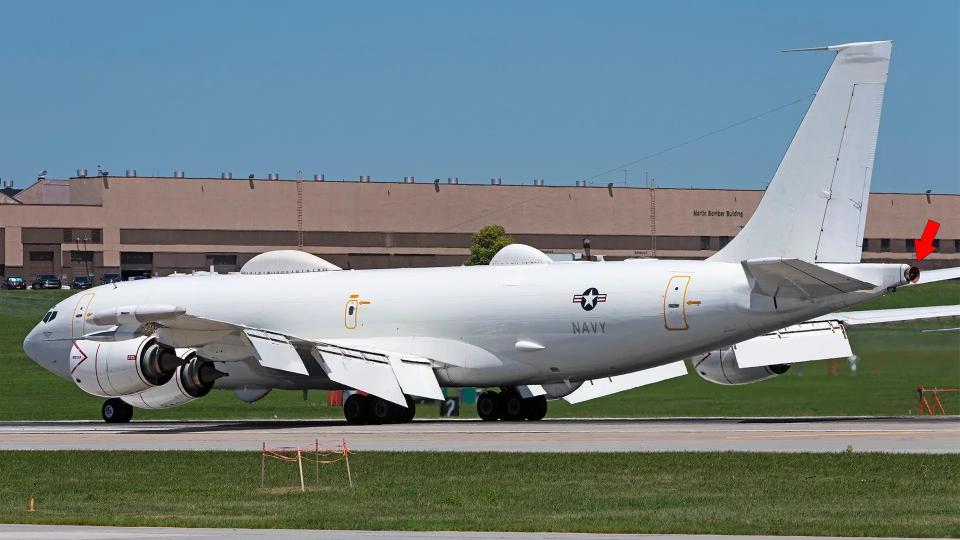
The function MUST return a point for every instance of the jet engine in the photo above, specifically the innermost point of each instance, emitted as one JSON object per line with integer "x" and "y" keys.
{"x": 119, "y": 368}
{"x": 720, "y": 367}
{"x": 190, "y": 381}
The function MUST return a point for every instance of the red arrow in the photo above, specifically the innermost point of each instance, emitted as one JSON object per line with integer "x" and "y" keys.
{"x": 924, "y": 244}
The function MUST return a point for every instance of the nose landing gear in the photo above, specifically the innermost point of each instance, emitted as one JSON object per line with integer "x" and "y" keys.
{"x": 116, "y": 411}
{"x": 510, "y": 406}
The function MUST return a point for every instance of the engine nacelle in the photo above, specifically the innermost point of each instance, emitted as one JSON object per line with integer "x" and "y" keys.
{"x": 119, "y": 368}
{"x": 720, "y": 367}
{"x": 190, "y": 381}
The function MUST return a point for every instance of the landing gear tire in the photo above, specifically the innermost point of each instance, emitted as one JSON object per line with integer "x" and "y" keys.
{"x": 535, "y": 408}
{"x": 116, "y": 411}
{"x": 511, "y": 406}
{"x": 406, "y": 415}
{"x": 488, "y": 405}
{"x": 382, "y": 412}
{"x": 356, "y": 409}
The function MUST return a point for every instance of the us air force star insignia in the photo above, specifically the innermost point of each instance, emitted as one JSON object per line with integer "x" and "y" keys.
{"x": 589, "y": 299}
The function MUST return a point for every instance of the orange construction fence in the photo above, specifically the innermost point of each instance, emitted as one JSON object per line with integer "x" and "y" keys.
{"x": 925, "y": 404}
{"x": 296, "y": 454}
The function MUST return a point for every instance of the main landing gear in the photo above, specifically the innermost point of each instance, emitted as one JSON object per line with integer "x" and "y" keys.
{"x": 509, "y": 405}
{"x": 116, "y": 411}
{"x": 366, "y": 409}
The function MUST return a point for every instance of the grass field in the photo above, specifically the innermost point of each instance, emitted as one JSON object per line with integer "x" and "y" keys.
{"x": 725, "y": 493}
{"x": 892, "y": 361}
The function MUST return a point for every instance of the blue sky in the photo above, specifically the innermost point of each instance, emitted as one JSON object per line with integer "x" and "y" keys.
{"x": 519, "y": 90}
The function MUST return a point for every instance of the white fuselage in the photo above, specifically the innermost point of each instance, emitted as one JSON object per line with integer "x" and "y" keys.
{"x": 488, "y": 325}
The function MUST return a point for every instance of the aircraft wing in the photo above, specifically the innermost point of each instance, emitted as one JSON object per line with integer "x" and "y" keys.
{"x": 596, "y": 388}
{"x": 793, "y": 278}
{"x": 383, "y": 373}
{"x": 886, "y": 316}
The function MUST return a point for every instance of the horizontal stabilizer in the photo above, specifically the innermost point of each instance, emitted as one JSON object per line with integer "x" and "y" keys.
{"x": 275, "y": 351}
{"x": 941, "y": 274}
{"x": 372, "y": 374}
{"x": 886, "y": 316}
{"x": 799, "y": 343}
{"x": 596, "y": 388}
{"x": 793, "y": 278}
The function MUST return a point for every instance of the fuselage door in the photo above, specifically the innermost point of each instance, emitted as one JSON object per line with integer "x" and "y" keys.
{"x": 78, "y": 322}
{"x": 674, "y": 300}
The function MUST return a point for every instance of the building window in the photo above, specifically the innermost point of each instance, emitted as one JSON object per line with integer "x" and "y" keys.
{"x": 724, "y": 240}
{"x": 95, "y": 235}
{"x": 866, "y": 245}
{"x": 704, "y": 243}
{"x": 936, "y": 243}
{"x": 884, "y": 244}
{"x": 133, "y": 257}
{"x": 68, "y": 235}
{"x": 81, "y": 256}
{"x": 911, "y": 245}
{"x": 41, "y": 256}
{"x": 956, "y": 246}
{"x": 223, "y": 260}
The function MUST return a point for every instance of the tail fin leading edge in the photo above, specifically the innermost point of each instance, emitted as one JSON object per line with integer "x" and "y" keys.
{"x": 815, "y": 207}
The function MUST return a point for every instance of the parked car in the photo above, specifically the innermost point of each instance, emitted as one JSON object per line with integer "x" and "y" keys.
{"x": 139, "y": 277}
{"x": 110, "y": 278}
{"x": 14, "y": 282}
{"x": 81, "y": 282}
{"x": 47, "y": 281}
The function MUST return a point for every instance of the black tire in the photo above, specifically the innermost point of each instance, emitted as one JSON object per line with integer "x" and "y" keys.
{"x": 535, "y": 408}
{"x": 382, "y": 411}
{"x": 116, "y": 411}
{"x": 406, "y": 415}
{"x": 488, "y": 406}
{"x": 511, "y": 406}
{"x": 356, "y": 409}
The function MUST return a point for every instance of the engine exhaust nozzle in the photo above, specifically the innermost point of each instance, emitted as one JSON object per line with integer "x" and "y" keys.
{"x": 912, "y": 274}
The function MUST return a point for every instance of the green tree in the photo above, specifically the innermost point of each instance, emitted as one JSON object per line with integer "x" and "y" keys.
{"x": 486, "y": 243}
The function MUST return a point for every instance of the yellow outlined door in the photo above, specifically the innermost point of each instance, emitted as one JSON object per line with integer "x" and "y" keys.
{"x": 674, "y": 301}
{"x": 79, "y": 320}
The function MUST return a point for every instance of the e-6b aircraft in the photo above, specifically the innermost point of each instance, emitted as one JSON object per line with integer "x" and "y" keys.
{"x": 534, "y": 328}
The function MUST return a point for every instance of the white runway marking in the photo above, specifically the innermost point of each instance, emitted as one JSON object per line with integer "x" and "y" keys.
{"x": 905, "y": 434}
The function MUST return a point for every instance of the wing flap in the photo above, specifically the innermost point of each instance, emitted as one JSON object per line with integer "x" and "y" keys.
{"x": 596, "y": 388}
{"x": 803, "y": 342}
{"x": 369, "y": 372}
{"x": 275, "y": 351}
{"x": 793, "y": 278}
{"x": 416, "y": 377}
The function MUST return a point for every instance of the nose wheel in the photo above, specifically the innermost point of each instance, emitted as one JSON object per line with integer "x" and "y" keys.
{"x": 116, "y": 411}
{"x": 510, "y": 406}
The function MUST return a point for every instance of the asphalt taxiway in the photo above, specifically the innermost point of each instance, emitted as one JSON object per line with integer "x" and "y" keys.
{"x": 861, "y": 434}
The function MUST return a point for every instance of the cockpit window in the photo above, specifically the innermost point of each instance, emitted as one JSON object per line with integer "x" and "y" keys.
{"x": 51, "y": 315}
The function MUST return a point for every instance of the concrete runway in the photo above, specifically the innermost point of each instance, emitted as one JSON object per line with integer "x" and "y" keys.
{"x": 894, "y": 434}
{"x": 72, "y": 532}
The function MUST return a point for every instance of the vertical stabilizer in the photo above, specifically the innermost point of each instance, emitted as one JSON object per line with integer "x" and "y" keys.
{"x": 816, "y": 206}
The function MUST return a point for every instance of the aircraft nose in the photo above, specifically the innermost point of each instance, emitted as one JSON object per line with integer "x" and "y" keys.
{"x": 52, "y": 355}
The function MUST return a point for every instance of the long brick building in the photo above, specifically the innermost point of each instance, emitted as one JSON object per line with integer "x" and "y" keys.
{"x": 136, "y": 225}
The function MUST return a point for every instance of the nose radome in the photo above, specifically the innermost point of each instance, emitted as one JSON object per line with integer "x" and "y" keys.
{"x": 30, "y": 345}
